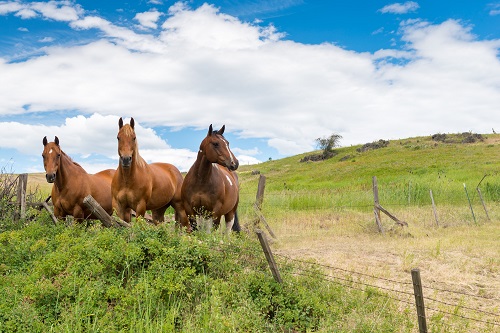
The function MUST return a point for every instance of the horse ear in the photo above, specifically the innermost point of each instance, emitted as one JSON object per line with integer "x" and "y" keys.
{"x": 221, "y": 131}
{"x": 132, "y": 123}
{"x": 120, "y": 123}
{"x": 210, "y": 130}
{"x": 56, "y": 140}
{"x": 44, "y": 141}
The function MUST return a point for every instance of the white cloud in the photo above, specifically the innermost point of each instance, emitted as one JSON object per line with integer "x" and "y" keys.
{"x": 46, "y": 40}
{"x": 207, "y": 67}
{"x": 400, "y": 8}
{"x": 495, "y": 9}
{"x": 148, "y": 19}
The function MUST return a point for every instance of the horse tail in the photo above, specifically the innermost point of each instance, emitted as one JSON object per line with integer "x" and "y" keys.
{"x": 236, "y": 225}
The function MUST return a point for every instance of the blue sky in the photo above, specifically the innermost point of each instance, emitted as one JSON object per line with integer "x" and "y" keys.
{"x": 278, "y": 74}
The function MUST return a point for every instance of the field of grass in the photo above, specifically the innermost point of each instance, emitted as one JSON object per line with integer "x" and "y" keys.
{"x": 323, "y": 212}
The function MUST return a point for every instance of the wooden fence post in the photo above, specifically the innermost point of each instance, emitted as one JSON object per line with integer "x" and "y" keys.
{"x": 434, "y": 210}
{"x": 97, "y": 210}
{"x": 484, "y": 205}
{"x": 376, "y": 205}
{"x": 269, "y": 256}
{"x": 45, "y": 205}
{"x": 258, "y": 205}
{"x": 419, "y": 300}
{"x": 22, "y": 181}
{"x": 260, "y": 191}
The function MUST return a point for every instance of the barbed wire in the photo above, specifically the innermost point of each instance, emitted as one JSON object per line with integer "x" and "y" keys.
{"x": 348, "y": 283}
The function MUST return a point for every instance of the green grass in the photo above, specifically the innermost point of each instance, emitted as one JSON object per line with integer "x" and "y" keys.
{"x": 407, "y": 170}
{"x": 148, "y": 279}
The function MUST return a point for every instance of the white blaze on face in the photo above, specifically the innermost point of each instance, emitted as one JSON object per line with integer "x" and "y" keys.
{"x": 229, "y": 151}
{"x": 50, "y": 151}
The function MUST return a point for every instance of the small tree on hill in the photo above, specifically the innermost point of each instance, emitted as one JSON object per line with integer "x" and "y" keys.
{"x": 328, "y": 143}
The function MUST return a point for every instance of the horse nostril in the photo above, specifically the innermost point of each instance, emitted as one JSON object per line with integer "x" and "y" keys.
{"x": 50, "y": 177}
{"x": 126, "y": 160}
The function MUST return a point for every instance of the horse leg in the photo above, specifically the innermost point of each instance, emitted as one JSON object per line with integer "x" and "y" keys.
{"x": 78, "y": 213}
{"x": 182, "y": 218}
{"x": 140, "y": 210}
{"x": 236, "y": 226}
{"x": 159, "y": 214}
{"x": 229, "y": 218}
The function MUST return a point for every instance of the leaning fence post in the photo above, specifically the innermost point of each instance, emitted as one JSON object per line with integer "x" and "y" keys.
{"x": 484, "y": 205}
{"x": 434, "y": 209}
{"x": 470, "y": 204}
{"x": 419, "y": 300}
{"x": 269, "y": 255}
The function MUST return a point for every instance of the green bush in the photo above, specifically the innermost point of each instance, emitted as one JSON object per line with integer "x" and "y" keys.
{"x": 159, "y": 279}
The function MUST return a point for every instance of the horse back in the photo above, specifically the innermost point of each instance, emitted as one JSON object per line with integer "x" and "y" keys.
{"x": 167, "y": 179}
{"x": 101, "y": 188}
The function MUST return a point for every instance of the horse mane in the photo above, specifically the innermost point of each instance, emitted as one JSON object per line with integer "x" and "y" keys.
{"x": 128, "y": 131}
{"x": 70, "y": 159}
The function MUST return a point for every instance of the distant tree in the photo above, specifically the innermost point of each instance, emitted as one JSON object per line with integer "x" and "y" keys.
{"x": 328, "y": 143}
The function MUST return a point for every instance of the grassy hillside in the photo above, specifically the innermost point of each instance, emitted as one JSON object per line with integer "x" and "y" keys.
{"x": 406, "y": 171}
{"x": 322, "y": 212}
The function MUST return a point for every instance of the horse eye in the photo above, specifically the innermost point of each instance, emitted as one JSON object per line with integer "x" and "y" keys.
{"x": 118, "y": 138}
{"x": 216, "y": 144}
{"x": 134, "y": 138}
{"x": 58, "y": 155}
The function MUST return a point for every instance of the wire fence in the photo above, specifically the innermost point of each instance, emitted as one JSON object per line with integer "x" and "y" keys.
{"x": 449, "y": 309}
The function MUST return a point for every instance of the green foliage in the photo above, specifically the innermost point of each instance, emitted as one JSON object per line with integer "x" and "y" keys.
{"x": 159, "y": 279}
{"x": 328, "y": 143}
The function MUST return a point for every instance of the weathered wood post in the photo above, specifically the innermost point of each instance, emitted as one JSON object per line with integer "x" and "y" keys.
{"x": 45, "y": 205}
{"x": 434, "y": 209}
{"x": 258, "y": 205}
{"x": 22, "y": 181}
{"x": 104, "y": 217}
{"x": 269, "y": 256}
{"x": 376, "y": 205}
{"x": 259, "y": 198}
{"x": 419, "y": 300}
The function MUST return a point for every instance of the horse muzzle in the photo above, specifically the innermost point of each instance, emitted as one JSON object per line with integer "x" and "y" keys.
{"x": 233, "y": 166}
{"x": 126, "y": 161}
{"x": 51, "y": 177}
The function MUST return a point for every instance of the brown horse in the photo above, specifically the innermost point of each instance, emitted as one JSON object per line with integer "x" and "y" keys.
{"x": 72, "y": 183}
{"x": 140, "y": 186}
{"x": 212, "y": 184}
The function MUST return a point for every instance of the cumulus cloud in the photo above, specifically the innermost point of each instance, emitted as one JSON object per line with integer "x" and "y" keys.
{"x": 209, "y": 67}
{"x": 400, "y": 8}
{"x": 148, "y": 19}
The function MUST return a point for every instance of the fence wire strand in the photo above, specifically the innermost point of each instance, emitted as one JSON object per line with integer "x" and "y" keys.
{"x": 358, "y": 285}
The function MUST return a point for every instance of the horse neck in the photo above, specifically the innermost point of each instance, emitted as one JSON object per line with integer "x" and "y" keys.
{"x": 138, "y": 163}
{"x": 67, "y": 171}
{"x": 202, "y": 167}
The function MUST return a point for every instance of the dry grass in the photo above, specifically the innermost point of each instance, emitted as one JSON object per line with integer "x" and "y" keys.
{"x": 462, "y": 257}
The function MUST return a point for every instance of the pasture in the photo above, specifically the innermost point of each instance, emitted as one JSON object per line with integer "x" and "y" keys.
{"x": 323, "y": 212}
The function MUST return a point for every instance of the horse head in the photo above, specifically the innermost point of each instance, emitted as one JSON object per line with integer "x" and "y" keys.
{"x": 216, "y": 149}
{"x": 127, "y": 143}
{"x": 51, "y": 158}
